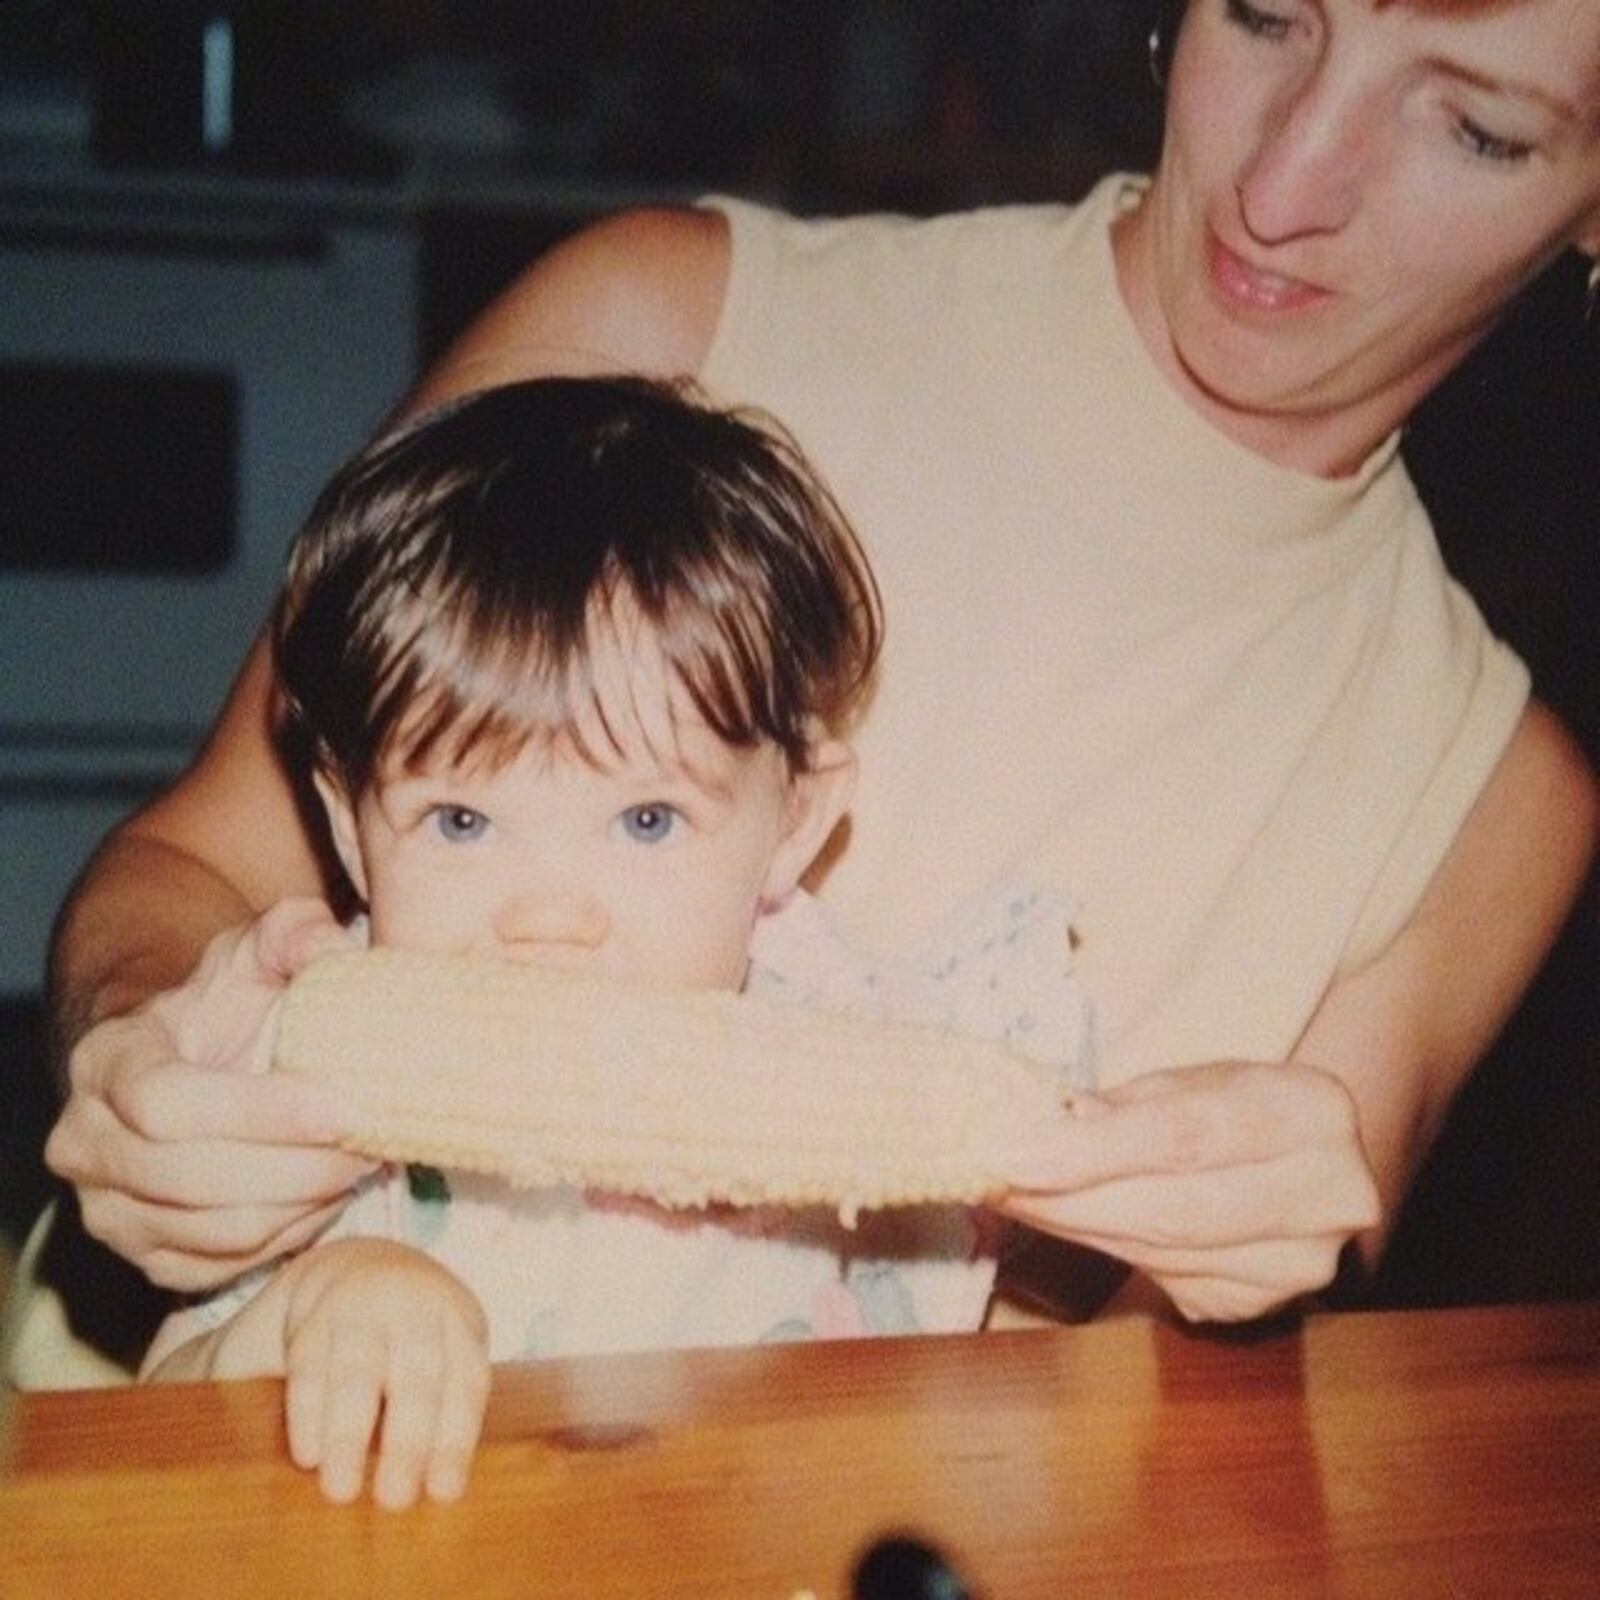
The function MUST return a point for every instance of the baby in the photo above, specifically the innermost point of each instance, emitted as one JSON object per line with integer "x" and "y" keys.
{"x": 571, "y": 665}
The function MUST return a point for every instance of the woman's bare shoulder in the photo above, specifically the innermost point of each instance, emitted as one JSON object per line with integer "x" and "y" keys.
{"x": 639, "y": 291}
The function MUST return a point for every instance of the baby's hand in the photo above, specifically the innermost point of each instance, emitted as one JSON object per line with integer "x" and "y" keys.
{"x": 375, "y": 1326}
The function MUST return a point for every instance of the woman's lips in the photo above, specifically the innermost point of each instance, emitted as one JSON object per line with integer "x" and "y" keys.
{"x": 1253, "y": 288}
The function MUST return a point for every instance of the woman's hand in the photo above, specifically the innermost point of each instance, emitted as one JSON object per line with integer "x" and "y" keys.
{"x": 188, "y": 1159}
{"x": 376, "y": 1328}
{"x": 1234, "y": 1185}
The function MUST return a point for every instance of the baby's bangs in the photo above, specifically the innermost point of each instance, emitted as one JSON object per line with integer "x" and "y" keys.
{"x": 475, "y": 694}
{"x": 576, "y": 563}
{"x": 724, "y": 667}
{"x": 462, "y": 695}
{"x": 772, "y": 625}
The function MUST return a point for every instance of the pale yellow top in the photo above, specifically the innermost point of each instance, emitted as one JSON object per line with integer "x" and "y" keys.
{"x": 1238, "y": 712}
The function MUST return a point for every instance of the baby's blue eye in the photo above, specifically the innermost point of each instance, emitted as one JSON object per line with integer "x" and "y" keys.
{"x": 650, "y": 823}
{"x": 459, "y": 824}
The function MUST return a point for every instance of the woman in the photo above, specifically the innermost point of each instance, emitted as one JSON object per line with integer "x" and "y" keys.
{"x": 1166, "y": 625}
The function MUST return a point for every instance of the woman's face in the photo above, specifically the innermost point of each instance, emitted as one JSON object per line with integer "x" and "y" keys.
{"x": 1349, "y": 195}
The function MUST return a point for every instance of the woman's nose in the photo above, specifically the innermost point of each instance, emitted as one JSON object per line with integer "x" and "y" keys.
{"x": 1312, "y": 158}
{"x": 551, "y": 920}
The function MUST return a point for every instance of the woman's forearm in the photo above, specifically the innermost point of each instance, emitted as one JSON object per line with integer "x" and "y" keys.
{"x": 135, "y": 924}
{"x": 1404, "y": 1033}
{"x": 223, "y": 843}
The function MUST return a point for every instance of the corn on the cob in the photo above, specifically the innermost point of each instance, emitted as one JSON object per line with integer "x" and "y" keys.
{"x": 685, "y": 1097}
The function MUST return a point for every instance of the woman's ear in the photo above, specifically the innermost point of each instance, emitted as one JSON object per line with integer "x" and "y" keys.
{"x": 342, "y": 826}
{"x": 817, "y": 799}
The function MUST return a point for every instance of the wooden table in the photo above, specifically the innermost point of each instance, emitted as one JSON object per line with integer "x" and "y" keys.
{"x": 1421, "y": 1454}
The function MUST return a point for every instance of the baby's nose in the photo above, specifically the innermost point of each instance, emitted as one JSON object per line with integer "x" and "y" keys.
{"x": 551, "y": 923}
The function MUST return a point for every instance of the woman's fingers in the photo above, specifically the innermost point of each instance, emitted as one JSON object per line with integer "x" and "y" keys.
{"x": 231, "y": 1235}
{"x": 189, "y": 1136}
{"x": 1223, "y": 1282}
{"x": 159, "y": 1186}
{"x": 216, "y": 1017}
{"x": 201, "y": 1267}
{"x": 171, "y": 1102}
{"x": 188, "y": 1160}
{"x": 1193, "y": 1119}
{"x": 191, "y": 1249}
{"x": 1218, "y": 1297}
{"x": 1234, "y": 1185}
{"x": 192, "y": 1215}
{"x": 196, "y": 1104}
{"x": 204, "y": 1172}
{"x": 1302, "y": 1194}
{"x": 293, "y": 934}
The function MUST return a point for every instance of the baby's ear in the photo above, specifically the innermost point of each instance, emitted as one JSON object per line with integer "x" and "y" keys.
{"x": 817, "y": 799}
{"x": 342, "y": 825}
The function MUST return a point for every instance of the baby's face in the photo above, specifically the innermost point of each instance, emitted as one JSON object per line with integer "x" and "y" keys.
{"x": 652, "y": 865}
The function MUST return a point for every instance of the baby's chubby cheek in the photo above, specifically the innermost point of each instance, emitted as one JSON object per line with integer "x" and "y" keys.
{"x": 709, "y": 961}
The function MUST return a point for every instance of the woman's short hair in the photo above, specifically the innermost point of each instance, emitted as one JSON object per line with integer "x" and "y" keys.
{"x": 454, "y": 580}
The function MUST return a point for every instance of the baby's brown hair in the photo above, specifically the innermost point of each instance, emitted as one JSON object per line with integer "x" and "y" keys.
{"x": 442, "y": 595}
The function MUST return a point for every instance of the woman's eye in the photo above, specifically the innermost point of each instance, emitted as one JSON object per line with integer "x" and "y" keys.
{"x": 649, "y": 823}
{"x": 1489, "y": 146}
{"x": 458, "y": 824}
{"x": 1254, "y": 20}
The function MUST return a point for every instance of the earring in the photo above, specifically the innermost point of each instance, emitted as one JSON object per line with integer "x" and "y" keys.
{"x": 1591, "y": 298}
{"x": 1158, "y": 58}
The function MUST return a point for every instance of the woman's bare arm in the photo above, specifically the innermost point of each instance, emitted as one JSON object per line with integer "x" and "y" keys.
{"x": 639, "y": 292}
{"x": 221, "y": 845}
{"x": 1404, "y": 1033}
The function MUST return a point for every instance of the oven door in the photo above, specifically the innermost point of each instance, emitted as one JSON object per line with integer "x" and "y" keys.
{"x": 173, "y": 391}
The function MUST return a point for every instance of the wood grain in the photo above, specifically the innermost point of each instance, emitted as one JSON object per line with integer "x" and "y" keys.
{"x": 1398, "y": 1454}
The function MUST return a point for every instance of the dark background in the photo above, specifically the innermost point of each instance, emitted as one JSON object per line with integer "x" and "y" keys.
{"x": 854, "y": 104}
